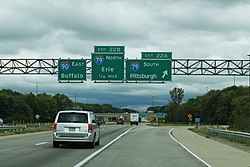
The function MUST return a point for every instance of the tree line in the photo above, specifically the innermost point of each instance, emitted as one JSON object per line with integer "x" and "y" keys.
{"x": 15, "y": 106}
{"x": 229, "y": 106}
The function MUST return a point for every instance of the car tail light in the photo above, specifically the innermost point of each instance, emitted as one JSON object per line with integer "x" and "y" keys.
{"x": 54, "y": 127}
{"x": 90, "y": 128}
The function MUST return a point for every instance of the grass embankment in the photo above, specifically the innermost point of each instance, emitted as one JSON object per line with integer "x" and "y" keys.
{"x": 237, "y": 142}
{"x": 230, "y": 140}
{"x": 6, "y": 133}
{"x": 169, "y": 124}
{"x": 31, "y": 128}
{"x": 202, "y": 131}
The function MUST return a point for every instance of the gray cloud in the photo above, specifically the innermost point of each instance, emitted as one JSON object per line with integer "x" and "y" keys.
{"x": 69, "y": 29}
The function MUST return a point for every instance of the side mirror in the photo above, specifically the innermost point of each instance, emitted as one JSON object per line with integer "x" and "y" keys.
{"x": 98, "y": 122}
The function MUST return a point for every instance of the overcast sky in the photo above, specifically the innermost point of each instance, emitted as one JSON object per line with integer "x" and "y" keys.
{"x": 202, "y": 29}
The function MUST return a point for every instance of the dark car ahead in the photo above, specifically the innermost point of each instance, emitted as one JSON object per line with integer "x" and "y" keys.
{"x": 120, "y": 121}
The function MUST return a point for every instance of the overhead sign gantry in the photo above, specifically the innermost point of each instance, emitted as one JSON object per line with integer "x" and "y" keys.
{"x": 75, "y": 70}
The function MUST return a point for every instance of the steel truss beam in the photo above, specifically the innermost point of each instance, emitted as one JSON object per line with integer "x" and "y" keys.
{"x": 179, "y": 67}
{"x": 210, "y": 67}
{"x": 28, "y": 66}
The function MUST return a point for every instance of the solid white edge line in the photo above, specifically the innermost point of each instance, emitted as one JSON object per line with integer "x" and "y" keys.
{"x": 38, "y": 144}
{"x": 187, "y": 149}
{"x": 86, "y": 160}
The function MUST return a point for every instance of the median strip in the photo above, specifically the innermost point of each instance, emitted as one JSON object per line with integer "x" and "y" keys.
{"x": 86, "y": 160}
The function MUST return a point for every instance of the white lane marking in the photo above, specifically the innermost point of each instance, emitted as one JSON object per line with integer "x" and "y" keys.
{"x": 86, "y": 160}
{"x": 187, "y": 149}
{"x": 38, "y": 144}
{"x": 132, "y": 131}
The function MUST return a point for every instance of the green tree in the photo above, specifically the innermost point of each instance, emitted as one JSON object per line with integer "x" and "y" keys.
{"x": 4, "y": 107}
{"x": 240, "y": 117}
{"x": 62, "y": 102}
{"x": 48, "y": 107}
{"x": 170, "y": 110}
{"x": 31, "y": 100}
{"x": 21, "y": 111}
{"x": 176, "y": 95}
{"x": 13, "y": 107}
{"x": 106, "y": 108}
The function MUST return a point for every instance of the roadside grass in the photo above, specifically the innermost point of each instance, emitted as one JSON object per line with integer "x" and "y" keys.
{"x": 28, "y": 130}
{"x": 111, "y": 123}
{"x": 236, "y": 142}
{"x": 203, "y": 131}
{"x": 230, "y": 140}
{"x": 33, "y": 128}
{"x": 169, "y": 124}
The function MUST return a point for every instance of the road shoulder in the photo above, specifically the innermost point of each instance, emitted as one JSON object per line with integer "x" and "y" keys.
{"x": 213, "y": 152}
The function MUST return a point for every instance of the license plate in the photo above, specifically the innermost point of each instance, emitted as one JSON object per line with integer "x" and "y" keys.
{"x": 71, "y": 129}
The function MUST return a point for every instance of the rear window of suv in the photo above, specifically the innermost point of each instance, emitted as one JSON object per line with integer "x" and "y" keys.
{"x": 73, "y": 118}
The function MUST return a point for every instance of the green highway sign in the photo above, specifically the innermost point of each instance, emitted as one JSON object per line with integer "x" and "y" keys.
{"x": 108, "y": 67}
{"x": 156, "y": 55}
{"x": 71, "y": 69}
{"x": 148, "y": 70}
{"x": 109, "y": 49}
{"x": 160, "y": 115}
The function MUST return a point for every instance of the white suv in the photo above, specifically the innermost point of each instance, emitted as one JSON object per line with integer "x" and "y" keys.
{"x": 76, "y": 126}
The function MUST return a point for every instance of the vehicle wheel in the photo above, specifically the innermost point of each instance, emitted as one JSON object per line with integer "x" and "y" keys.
{"x": 92, "y": 144}
{"x": 98, "y": 142}
{"x": 55, "y": 144}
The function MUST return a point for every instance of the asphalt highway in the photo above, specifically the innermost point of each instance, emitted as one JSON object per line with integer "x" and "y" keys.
{"x": 145, "y": 146}
{"x": 137, "y": 146}
{"x": 36, "y": 149}
{"x": 124, "y": 146}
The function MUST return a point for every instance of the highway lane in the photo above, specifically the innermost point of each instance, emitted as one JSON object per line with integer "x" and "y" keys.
{"x": 37, "y": 150}
{"x": 148, "y": 147}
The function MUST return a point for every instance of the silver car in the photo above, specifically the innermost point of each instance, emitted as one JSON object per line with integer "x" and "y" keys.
{"x": 76, "y": 126}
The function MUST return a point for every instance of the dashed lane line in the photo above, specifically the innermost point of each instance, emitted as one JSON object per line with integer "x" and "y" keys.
{"x": 86, "y": 160}
{"x": 38, "y": 144}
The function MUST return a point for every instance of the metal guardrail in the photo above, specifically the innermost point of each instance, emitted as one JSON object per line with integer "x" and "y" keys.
{"x": 229, "y": 134}
{"x": 13, "y": 128}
